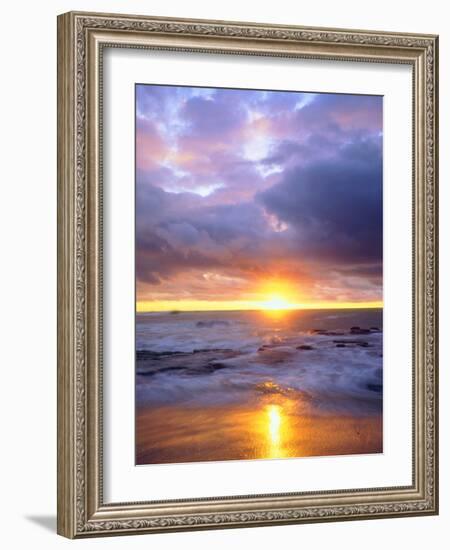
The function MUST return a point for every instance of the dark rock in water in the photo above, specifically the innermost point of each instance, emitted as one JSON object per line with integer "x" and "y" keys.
{"x": 209, "y": 324}
{"x": 188, "y": 363}
{"x": 209, "y": 350}
{"x": 358, "y": 330}
{"x": 343, "y": 343}
{"x": 217, "y": 366}
{"x": 143, "y": 372}
{"x": 375, "y": 329}
{"x": 274, "y": 345}
{"x": 266, "y": 347}
{"x": 340, "y": 345}
{"x": 205, "y": 369}
{"x": 378, "y": 388}
{"x": 274, "y": 356}
{"x": 324, "y": 332}
{"x": 142, "y": 354}
{"x": 305, "y": 347}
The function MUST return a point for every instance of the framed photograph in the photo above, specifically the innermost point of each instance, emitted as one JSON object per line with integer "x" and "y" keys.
{"x": 247, "y": 274}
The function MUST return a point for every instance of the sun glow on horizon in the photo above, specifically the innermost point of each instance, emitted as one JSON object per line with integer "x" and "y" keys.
{"x": 276, "y": 301}
{"x": 149, "y": 306}
{"x": 273, "y": 295}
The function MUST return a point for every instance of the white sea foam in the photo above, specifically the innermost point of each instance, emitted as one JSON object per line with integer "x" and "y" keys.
{"x": 249, "y": 349}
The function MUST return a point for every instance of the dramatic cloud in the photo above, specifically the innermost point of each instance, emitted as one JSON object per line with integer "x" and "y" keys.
{"x": 238, "y": 187}
{"x": 333, "y": 205}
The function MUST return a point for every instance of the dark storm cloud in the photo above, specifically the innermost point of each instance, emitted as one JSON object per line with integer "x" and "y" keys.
{"x": 335, "y": 206}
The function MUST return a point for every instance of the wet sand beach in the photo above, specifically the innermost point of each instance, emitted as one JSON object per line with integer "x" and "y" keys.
{"x": 274, "y": 430}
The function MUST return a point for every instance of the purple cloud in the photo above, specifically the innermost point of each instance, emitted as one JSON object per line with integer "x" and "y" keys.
{"x": 245, "y": 184}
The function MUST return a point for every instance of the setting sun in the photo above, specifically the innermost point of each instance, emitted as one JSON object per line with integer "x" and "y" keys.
{"x": 276, "y": 302}
{"x": 278, "y": 294}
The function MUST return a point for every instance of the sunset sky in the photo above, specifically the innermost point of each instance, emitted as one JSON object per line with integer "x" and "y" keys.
{"x": 252, "y": 199}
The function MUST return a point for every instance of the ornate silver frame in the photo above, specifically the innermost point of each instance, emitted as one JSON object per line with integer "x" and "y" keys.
{"x": 81, "y": 39}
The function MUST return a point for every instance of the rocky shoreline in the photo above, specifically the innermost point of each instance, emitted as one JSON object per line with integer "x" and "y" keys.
{"x": 204, "y": 361}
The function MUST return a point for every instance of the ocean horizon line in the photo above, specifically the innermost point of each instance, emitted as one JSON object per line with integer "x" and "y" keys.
{"x": 281, "y": 310}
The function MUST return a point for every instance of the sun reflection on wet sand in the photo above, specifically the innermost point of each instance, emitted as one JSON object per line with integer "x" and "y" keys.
{"x": 275, "y": 419}
{"x": 273, "y": 412}
{"x": 274, "y": 424}
{"x": 276, "y": 427}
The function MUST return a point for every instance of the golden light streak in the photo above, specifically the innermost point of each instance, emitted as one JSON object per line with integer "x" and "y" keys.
{"x": 274, "y": 414}
{"x": 143, "y": 306}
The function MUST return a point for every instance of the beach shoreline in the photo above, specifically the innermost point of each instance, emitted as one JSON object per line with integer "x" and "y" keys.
{"x": 232, "y": 386}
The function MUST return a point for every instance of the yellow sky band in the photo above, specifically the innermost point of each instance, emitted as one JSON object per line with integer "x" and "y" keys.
{"x": 199, "y": 305}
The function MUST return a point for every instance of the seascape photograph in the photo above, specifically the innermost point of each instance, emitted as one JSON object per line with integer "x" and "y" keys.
{"x": 259, "y": 274}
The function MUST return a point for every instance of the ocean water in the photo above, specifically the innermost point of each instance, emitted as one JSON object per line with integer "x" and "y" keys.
{"x": 203, "y": 373}
{"x": 177, "y": 355}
